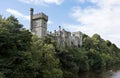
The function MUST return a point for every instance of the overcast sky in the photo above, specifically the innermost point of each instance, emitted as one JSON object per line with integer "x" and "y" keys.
{"x": 87, "y": 16}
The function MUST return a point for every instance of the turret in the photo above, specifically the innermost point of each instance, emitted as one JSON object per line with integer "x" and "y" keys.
{"x": 31, "y": 17}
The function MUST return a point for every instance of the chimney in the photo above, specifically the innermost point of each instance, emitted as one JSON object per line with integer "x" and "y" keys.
{"x": 55, "y": 32}
{"x": 31, "y": 17}
{"x": 59, "y": 28}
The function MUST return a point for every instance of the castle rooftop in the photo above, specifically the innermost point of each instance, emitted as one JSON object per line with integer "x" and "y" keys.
{"x": 40, "y": 16}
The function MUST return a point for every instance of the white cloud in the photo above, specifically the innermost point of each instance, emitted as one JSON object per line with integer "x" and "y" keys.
{"x": 23, "y": 17}
{"x": 50, "y": 22}
{"x": 18, "y": 14}
{"x": 103, "y": 20}
{"x": 58, "y": 2}
{"x": 42, "y": 2}
{"x": 103, "y": 3}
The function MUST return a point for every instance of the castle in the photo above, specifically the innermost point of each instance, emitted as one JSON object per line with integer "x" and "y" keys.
{"x": 38, "y": 24}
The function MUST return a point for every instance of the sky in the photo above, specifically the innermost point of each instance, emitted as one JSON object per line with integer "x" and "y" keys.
{"x": 88, "y": 16}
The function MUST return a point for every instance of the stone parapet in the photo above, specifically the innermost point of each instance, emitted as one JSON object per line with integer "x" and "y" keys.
{"x": 40, "y": 16}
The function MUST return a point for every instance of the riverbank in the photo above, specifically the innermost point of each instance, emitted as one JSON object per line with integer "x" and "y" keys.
{"x": 113, "y": 72}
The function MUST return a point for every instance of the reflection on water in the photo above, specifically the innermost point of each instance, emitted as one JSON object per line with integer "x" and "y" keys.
{"x": 116, "y": 74}
{"x": 111, "y": 73}
{"x": 95, "y": 75}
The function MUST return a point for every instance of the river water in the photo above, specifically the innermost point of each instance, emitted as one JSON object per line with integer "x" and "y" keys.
{"x": 113, "y": 72}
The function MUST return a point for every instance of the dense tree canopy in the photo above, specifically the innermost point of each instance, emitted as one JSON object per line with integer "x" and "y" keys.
{"x": 14, "y": 41}
{"x": 23, "y": 55}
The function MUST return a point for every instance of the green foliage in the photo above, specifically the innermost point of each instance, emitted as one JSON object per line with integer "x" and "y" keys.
{"x": 23, "y": 55}
{"x": 54, "y": 73}
{"x": 101, "y": 53}
{"x": 13, "y": 37}
{"x": 2, "y": 75}
{"x": 95, "y": 53}
{"x": 43, "y": 52}
{"x": 14, "y": 43}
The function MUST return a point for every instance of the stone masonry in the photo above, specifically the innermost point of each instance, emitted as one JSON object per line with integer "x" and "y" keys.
{"x": 38, "y": 24}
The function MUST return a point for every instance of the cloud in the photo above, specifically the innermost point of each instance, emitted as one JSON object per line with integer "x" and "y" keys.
{"x": 42, "y": 2}
{"x": 102, "y": 3}
{"x": 103, "y": 20}
{"x": 57, "y": 2}
{"x": 50, "y": 22}
{"x": 18, "y": 14}
{"x": 23, "y": 17}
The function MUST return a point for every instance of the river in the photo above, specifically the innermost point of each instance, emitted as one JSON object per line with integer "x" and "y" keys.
{"x": 113, "y": 72}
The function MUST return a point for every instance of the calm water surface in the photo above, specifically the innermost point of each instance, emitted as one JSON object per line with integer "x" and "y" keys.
{"x": 111, "y": 73}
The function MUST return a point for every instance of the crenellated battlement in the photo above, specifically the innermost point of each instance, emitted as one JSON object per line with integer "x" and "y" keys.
{"x": 62, "y": 37}
{"x": 40, "y": 16}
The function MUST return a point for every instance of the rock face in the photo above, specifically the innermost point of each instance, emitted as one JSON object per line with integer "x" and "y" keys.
{"x": 38, "y": 24}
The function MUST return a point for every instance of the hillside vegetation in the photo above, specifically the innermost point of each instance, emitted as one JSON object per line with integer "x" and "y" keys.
{"x": 23, "y": 55}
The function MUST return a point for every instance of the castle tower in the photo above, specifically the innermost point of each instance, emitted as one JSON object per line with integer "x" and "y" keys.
{"x": 38, "y": 23}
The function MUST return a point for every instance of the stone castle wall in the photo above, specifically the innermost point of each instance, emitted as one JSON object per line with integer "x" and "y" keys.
{"x": 63, "y": 38}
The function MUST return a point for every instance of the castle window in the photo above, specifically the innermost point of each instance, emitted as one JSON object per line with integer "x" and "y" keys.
{"x": 72, "y": 43}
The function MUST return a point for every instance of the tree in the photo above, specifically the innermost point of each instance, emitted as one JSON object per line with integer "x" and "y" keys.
{"x": 43, "y": 52}
{"x": 14, "y": 43}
